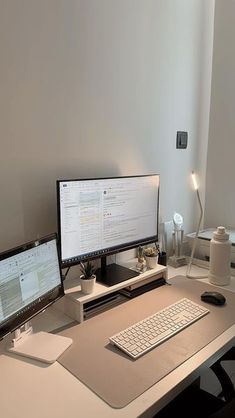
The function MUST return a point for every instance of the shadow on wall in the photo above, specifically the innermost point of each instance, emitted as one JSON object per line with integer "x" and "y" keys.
{"x": 29, "y": 206}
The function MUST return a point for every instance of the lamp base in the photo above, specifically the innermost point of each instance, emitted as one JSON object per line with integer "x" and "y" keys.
{"x": 177, "y": 261}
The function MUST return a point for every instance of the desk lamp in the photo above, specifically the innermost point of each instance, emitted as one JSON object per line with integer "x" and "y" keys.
{"x": 177, "y": 259}
{"x": 195, "y": 185}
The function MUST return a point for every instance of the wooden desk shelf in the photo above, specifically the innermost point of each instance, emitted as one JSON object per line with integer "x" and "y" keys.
{"x": 74, "y": 301}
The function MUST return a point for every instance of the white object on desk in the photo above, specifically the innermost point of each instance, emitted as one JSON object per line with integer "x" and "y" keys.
{"x": 177, "y": 259}
{"x": 74, "y": 300}
{"x": 42, "y": 346}
{"x": 220, "y": 257}
{"x": 148, "y": 333}
{"x": 203, "y": 245}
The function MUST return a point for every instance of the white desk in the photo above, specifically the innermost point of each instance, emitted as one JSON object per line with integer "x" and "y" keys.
{"x": 32, "y": 389}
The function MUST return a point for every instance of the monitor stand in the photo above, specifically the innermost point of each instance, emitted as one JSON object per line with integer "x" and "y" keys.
{"x": 41, "y": 346}
{"x": 112, "y": 274}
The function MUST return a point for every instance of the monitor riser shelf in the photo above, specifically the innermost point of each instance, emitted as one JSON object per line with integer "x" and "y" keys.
{"x": 74, "y": 300}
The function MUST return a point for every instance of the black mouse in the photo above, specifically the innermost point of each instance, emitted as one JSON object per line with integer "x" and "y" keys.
{"x": 215, "y": 298}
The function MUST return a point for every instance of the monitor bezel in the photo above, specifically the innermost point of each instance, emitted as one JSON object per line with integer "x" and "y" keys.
{"x": 40, "y": 304}
{"x": 109, "y": 251}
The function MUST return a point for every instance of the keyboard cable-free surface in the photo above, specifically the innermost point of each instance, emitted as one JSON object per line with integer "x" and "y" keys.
{"x": 148, "y": 333}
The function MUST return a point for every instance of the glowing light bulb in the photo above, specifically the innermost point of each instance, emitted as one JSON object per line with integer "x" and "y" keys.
{"x": 195, "y": 185}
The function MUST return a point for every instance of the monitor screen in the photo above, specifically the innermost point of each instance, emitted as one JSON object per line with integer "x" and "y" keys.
{"x": 99, "y": 217}
{"x": 30, "y": 280}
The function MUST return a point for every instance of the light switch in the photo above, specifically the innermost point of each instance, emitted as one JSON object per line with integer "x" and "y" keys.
{"x": 181, "y": 139}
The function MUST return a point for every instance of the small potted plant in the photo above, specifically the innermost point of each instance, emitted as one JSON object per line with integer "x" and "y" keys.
{"x": 87, "y": 277}
{"x": 151, "y": 256}
{"x": 141, "y": 263}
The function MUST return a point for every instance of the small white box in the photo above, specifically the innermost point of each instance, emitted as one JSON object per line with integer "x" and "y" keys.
{"x": 202, "y": 251}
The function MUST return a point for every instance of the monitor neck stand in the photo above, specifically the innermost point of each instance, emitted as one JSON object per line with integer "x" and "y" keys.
{"x": 112, "y": 274}
{"x": 41, "y": 346}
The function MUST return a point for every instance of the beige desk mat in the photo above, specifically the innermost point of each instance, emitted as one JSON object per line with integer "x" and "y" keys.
{"x": 115, "y": 377}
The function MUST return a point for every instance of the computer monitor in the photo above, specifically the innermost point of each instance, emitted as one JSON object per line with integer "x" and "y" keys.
{"x": 100, "y": 217}
{"x": 30, "y": 281}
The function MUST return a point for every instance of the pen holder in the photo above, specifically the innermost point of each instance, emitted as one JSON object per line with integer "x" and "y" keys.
{"x": 162, "y": 259}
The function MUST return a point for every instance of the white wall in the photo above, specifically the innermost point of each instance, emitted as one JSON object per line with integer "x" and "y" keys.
{"x": 220, "y": 186}
{"x": 99, "y": 88}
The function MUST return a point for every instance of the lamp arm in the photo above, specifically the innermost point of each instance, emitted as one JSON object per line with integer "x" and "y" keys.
{"x": 195, "y": 241}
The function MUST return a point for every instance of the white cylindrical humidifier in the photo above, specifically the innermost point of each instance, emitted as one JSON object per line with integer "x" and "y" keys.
{"x": 220, "y": 258}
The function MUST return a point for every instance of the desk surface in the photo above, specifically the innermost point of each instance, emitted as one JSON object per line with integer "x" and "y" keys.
{"x": 30, "y": 388}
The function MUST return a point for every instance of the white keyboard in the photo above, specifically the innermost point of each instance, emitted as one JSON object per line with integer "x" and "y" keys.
{"x": 141, "y": 337}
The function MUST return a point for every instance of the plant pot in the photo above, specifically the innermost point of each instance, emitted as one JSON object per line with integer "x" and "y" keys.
{"x": 151, "y": 262}
{"x": 87, "y": 285}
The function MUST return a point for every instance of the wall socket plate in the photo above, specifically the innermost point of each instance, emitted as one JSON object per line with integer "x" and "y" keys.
{"x": 181, "y": 139}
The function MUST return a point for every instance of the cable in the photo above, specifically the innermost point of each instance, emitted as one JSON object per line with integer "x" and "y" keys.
{"x": 64, "y": 275}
